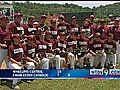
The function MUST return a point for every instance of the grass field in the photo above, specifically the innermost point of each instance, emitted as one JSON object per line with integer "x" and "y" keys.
{"x": 69, "y": 84}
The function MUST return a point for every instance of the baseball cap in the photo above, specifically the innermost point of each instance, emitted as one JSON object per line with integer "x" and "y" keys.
{"x": 74, "y": 17}
{"x": 92, "y": 16}
{"x": 18, "y": 14}
{"x": 43, "y": 16}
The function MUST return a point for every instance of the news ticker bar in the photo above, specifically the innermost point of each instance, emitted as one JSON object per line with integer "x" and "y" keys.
{"x": 92, "y": 73}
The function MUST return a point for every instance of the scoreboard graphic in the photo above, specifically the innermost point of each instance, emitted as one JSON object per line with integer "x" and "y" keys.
{"x": 64, "y": 74}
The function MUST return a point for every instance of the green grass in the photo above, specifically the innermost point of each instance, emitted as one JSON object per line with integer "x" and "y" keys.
{"x": 70, "y": 84}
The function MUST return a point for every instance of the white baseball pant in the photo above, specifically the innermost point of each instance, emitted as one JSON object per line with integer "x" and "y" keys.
{"x": 81, "y": 60}
{"x": 101, "y": 59}
{"x": 110, "y": 58}
{"x": 59, "y": 61}
{"x": 71, "y": 59}
{"x": 15, "y": 66}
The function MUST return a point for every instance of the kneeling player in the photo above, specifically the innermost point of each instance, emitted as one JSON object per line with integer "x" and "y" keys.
{"x": 97, "y": 50}
{"x": 110, "y": 49}
{"x": 17, "y": 56}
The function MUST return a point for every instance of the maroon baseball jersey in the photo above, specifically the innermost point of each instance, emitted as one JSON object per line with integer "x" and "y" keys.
{"x": 71, "y": 43}
{"x": 5, "y": 36}
{"x": 50, "y": 45}
{"x": 16, "y": 52}
{"x": 104, "y": 31}
{"x": 61, "y": 44}
{"x": 96, "y": 45}
{"x": 75, "y": 27}
{"x": 63, "y": 27}
{"x": 17, "y": 28}
{"x": 30, "y": 30}
{"x": 109, "y": 46}
{"x": 30, "y": 50}
{"x": 54, "y": 32}
{"x": 82, "y": 44}
{"x": 88, "y": 31}
{"x": 41, "y": 46}
{"x": 116, "y": 32}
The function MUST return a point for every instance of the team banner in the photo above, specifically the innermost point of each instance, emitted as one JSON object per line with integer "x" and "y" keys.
{"x": 64, "y": 74}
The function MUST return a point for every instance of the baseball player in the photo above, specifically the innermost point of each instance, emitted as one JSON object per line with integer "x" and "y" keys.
{"x": 5, "y": 40}
{"x": 86, "y": 29}
{"x": 53, "y": 29}
{"x": 74, "y": 25}
{"x": 17, "y": 56}
{"x": 60, "y": 52}
{"x": 97, "y": 50}
{"x": 29, "y": 29}
{"x": 84, "y": 57}
{"x": 115, "y": 30}
{"x": 41, "y": 51}
{"x": 103, "y": 30}
{"x": 71, "y": 45}
{"x": 17, "y": 27}
{"x": 63, "y": 26}
{"x": 110, "y": 50}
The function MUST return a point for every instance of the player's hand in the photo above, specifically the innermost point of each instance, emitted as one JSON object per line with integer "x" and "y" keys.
{"x": 36, "y": 63}
{"x": 94, "y": 54}
{"x": 19, "y": 63}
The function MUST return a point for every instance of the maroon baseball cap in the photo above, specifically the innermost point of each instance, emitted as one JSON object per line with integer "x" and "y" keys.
{"x": 43, "y": 16}
{"x": 74, "y": 17}
{"x": 92, "y": 16}
{"x": 18, "y": 14}
{"x": 4, "y": 17}
{"x": 31, "y": 17}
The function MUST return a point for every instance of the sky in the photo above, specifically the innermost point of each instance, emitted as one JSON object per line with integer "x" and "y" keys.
{"x": 89, "y": 4}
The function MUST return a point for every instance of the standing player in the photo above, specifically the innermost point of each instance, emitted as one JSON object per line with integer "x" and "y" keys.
{"x": 115, "y": 30}
{"x": 62, "y": 25}
{"x": 29, "y": 29}
{"x": 5, "y": 40}
{"x": 74, "y": 25}
{"x": 41, "y": 52}
{"x": 71, "y": 45}
{"x": 53, "y": 29}
{"x": 60, "y": 51}
{"x": 103, "y": 30}
{"x": 87, "y": 30}
{"x": 17, "y": 27}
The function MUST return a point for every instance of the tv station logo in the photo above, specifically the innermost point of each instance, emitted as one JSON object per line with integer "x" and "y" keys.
{"x": 96, "y": 72}
{"x": 99, "y": 72}
{"x": 114, "y": 72}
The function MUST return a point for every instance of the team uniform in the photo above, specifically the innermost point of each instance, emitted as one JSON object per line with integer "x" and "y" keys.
{"x": 110, "y": 50}
{"x": 60, "y": 54}
{"x": 63, "y": 27}
{"x": 98, "y": 48}
{"x": 17, "y": 52}
{"x": 83, "y": 45}
{"x": 104, "y": 31}
{"x": 71, "y": 45}
{"x": 41, "y": 51}
{"x": 116, "y": 34}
